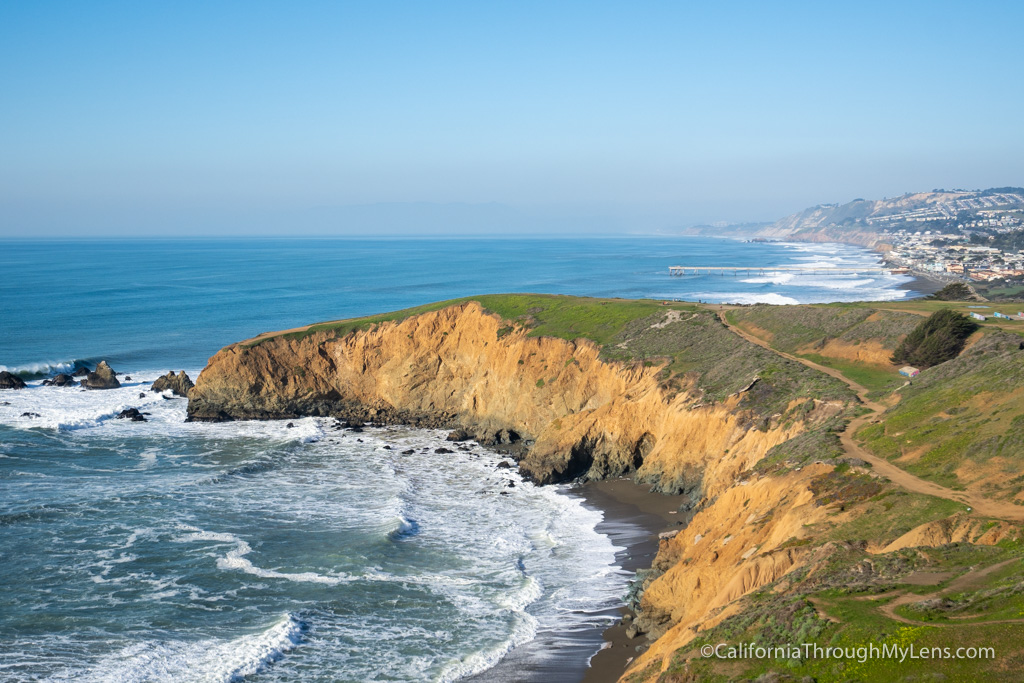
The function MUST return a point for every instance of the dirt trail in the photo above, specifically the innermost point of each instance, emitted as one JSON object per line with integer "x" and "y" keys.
{"x": 978, "y": 503}
{"x": 957, "y": 585}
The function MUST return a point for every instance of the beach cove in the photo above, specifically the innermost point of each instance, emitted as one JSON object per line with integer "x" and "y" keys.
{"x": 135, "y": 319}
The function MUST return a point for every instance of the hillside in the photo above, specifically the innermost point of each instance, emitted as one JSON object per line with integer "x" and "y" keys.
{"x": 833, "y": 501}
{"x": 863, "y": 221}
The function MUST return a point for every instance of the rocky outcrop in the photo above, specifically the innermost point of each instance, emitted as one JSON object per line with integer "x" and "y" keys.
{"x": 61, "y": 380}
{"x": 103, "y": 377}
{"x": 180, "y": 384}
{"x": 11, "y": 381}
{"x": 132, "y": 414}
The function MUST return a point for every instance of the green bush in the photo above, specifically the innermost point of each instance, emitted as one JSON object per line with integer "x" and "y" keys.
{"x": 939, "y": 338}
{"x": 954, "y": 291}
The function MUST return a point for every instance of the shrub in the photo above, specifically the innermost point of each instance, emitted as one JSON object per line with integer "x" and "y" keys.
{"x": 954, "y": 291}
{"x": 939, "y": 338}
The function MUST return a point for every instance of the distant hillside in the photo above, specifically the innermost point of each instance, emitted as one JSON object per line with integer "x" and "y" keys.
{"x": 863, "y": 221}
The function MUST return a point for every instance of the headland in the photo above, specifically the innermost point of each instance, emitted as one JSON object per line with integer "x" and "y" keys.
{"x": 822, "y": 488}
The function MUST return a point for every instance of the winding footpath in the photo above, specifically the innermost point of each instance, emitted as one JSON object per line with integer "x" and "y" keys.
{"x": 978, "y": 503}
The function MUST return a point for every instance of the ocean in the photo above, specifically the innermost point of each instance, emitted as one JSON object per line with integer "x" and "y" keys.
{"x": 170, "y": 551}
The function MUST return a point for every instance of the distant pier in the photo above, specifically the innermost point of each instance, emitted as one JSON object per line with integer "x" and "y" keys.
{"x": 772, "y": 270}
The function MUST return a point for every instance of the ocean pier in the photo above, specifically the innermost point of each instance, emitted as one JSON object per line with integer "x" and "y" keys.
{"x": 771, "y": 270}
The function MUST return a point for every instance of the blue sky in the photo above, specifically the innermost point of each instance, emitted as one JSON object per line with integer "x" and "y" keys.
{"x": 292, "y": 118}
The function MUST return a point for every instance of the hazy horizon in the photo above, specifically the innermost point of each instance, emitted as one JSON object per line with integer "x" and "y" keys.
{"x": 461, "y": 119}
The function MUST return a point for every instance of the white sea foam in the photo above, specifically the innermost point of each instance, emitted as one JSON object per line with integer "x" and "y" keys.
{"x": 524, "y": 630}
{"x": 74, "y": 409}
{"x": 500, "y": 569}
{"x": 744, "y": 298}
{"x": 779, "y": 279}
{"x": 236, "y": 560}
{"x": 211, "y": 661}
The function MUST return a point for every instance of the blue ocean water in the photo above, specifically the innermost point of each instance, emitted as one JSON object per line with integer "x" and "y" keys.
{"x": 160, "y": 304}
{"x": 167, "y": 551}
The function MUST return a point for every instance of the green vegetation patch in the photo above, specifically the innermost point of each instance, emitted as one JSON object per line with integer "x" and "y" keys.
{"x": 839, "y": 604}
{"x": 877, "y": 380}
{"x": 819, "y": 443}
{"x": 566, "y": 317}
{"x": 967, "y": 409}
{"x": 891, "y": 513}
{"x": 797, "y": 327}
{"x": 955, "y": 291}
{"x": 936, "y": 340}
{"x": 696, "y": 347}
{"x": 844, "y": 487}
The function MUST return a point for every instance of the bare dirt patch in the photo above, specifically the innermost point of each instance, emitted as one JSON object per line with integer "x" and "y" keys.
{"x": 870, "y": 351}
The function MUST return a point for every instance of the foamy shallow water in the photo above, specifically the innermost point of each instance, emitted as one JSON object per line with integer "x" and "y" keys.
{"x": 784, "y": 288}
{"x": 169, "y": 551}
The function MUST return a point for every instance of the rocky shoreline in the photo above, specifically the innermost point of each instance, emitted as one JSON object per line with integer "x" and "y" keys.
{"x": 103, "y": 378}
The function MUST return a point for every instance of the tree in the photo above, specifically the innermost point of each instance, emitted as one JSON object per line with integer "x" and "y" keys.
{"x": 939, "y": 338}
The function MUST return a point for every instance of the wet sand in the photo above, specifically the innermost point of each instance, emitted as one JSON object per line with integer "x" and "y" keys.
{"x": 633, "y": 518}
{"x": 924, "y": 284}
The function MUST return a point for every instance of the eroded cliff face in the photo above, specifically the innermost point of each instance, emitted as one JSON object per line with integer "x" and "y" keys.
{"x": 464, "y": 367}
{"x": 745, "y": 539}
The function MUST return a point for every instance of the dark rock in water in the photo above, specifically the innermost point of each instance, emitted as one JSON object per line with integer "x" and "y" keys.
{"x": 127, "y": 378}
{"x": 142, "y": 396}
{"x": 30, "y": 415}
{"x": 353, "y": 425}
{"x": 408, "y": 452}
{"x": 359, "y": 440}
{"x": 80, "y": 372}
{"x": 443, "y": 451}
{"x": 459, "y": 435}
{"x": 504, "y": 464}
{"x": 290, "y": 425}
{"x": 5, "y": 403}
{"x": 510, "y": 484}
{"x": 132, "y": 414}
{"x": 179, "y": 385}
{"x": 9, "y": 381}
{"x": 387, "y": 448}
{"x": 60, "y": 380}
{"x": 103, "y": 377}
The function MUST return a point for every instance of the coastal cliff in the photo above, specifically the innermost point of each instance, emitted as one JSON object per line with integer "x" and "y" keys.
{"x": 671, "y": 397}
{"x": 667, "y": 394}
{"x": 570, "y": 412}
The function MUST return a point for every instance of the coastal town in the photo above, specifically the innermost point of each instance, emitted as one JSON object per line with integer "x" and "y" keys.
{"x": 980, "y": 239}
{"x": 946, "y": 235}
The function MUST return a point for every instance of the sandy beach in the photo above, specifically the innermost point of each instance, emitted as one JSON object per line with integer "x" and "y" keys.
{"x": 633, "y": 518}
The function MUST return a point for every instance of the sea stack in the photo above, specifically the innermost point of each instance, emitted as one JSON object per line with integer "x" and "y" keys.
{"x": 103, "y": 377}
{"x": 180, "y": 384}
